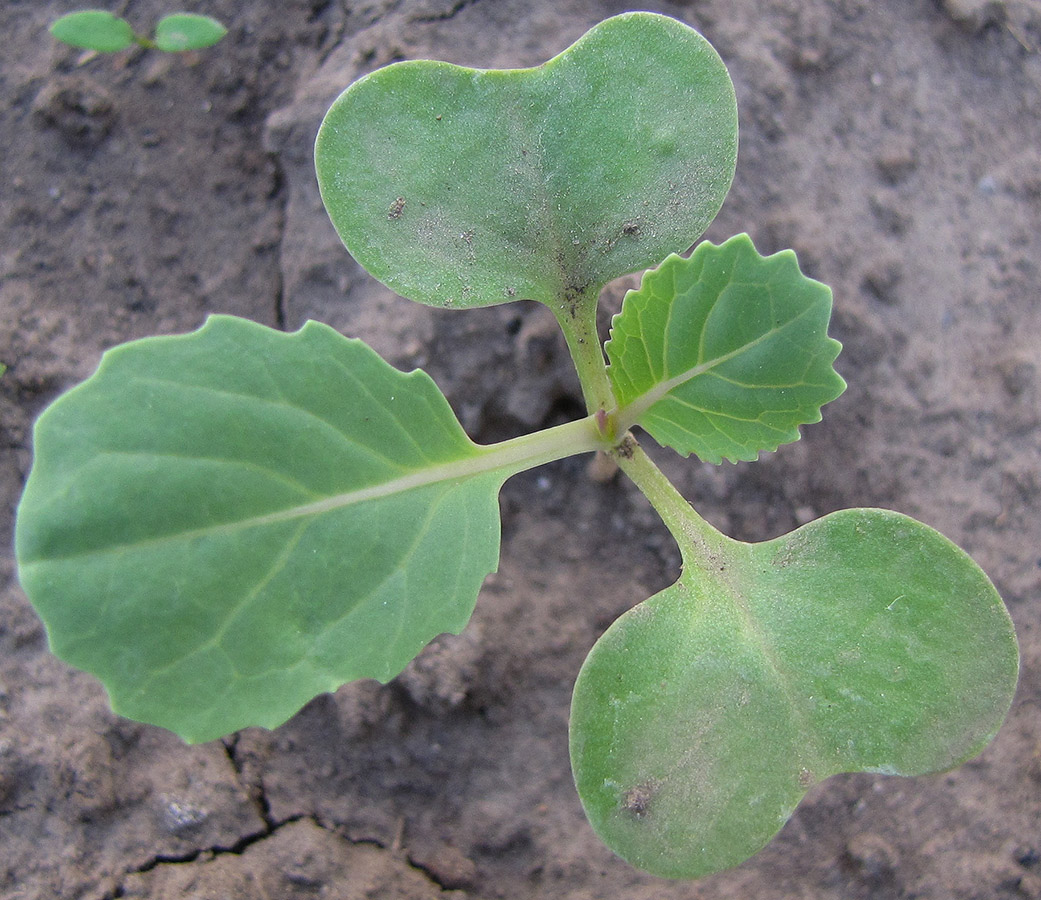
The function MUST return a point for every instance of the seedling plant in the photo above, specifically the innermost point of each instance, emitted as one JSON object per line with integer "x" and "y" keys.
{"x": 223, "y": 524}
{"x": 103, "y": 32}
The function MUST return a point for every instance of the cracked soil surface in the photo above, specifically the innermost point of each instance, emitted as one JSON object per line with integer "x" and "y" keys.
{"x": 894, "y": 144}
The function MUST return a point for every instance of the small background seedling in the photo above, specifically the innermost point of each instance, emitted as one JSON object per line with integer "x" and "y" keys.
{"x": 104, "y": 32}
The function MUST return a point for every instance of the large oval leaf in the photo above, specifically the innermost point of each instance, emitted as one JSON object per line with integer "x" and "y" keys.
{"x": 864, "y": 641}
{"x": 466, "y": 187}
{"x": 724, "y": 354}
{"x": 94, "y": 29}
{"x": 187, "y": 31}
{"x": 223, "y": 524}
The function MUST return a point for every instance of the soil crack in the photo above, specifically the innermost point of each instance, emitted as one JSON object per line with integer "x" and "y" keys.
{"x": 206, "y": 854}
{"x": 280, "y": 196}
{"x": 255, "y": 788}
{"x": 443, "y": 880}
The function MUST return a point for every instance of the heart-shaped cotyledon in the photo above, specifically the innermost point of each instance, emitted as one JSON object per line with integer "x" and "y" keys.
{"x": 862, "y": 642}
{"x": 468, "y": 187}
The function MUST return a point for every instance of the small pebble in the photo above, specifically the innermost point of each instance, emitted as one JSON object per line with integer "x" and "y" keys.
{"x": 975, "y": 15}
{"x": 180, "y": 817}
{"x": 874, "y": 858}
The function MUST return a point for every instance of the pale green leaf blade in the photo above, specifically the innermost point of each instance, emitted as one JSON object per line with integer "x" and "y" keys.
{"x": 224, "y": 524}
{"x": 94, "y": 29}
{"x": 187, "y": 31}
{"x": 724, "y": 354}
{"x": 864, "y": 641}
{"x": 463, "y": 187}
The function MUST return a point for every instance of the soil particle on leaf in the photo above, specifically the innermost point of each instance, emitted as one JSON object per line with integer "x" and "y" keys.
{"x": 638, "y": 801}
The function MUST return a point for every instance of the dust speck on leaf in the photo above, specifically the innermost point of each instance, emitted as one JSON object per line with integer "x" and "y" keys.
{"x": 637, "y": 800}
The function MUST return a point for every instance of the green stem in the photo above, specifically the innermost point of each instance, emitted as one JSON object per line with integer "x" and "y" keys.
{"x": 541, "y": 447}
{"x": 700, "y": 544}
{"x": 577, "y": 318}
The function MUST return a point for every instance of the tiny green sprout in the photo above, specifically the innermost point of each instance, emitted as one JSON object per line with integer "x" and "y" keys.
{"x": 186, "y": 31}
{"x": 221, "y": 525}
{"x": 103, "y": 32}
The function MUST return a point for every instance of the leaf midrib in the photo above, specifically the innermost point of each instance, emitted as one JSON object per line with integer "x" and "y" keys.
{"x": 629, "y": 414}
{"x": 764, "y": 644}
{"x": 506, "y": 458}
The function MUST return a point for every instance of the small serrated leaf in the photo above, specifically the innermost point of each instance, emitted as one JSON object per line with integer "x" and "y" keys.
{"x": 724, "y": 354}
{"x": 187, "y": 31}
{"x": 223, "y": 524}
{"x": 94, "y": 29}
{"x": 862, "y": 642}
{"x": 466, "y": 187}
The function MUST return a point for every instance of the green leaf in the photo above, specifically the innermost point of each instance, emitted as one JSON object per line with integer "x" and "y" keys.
{"x": 724, "y": 354}
{"x": 864, "y": 641}
{"x": 186, "y": 31}
{"x": 223, "y": 524}
{"x": 465, "y": 187}
{"x": 94, "y": 29}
